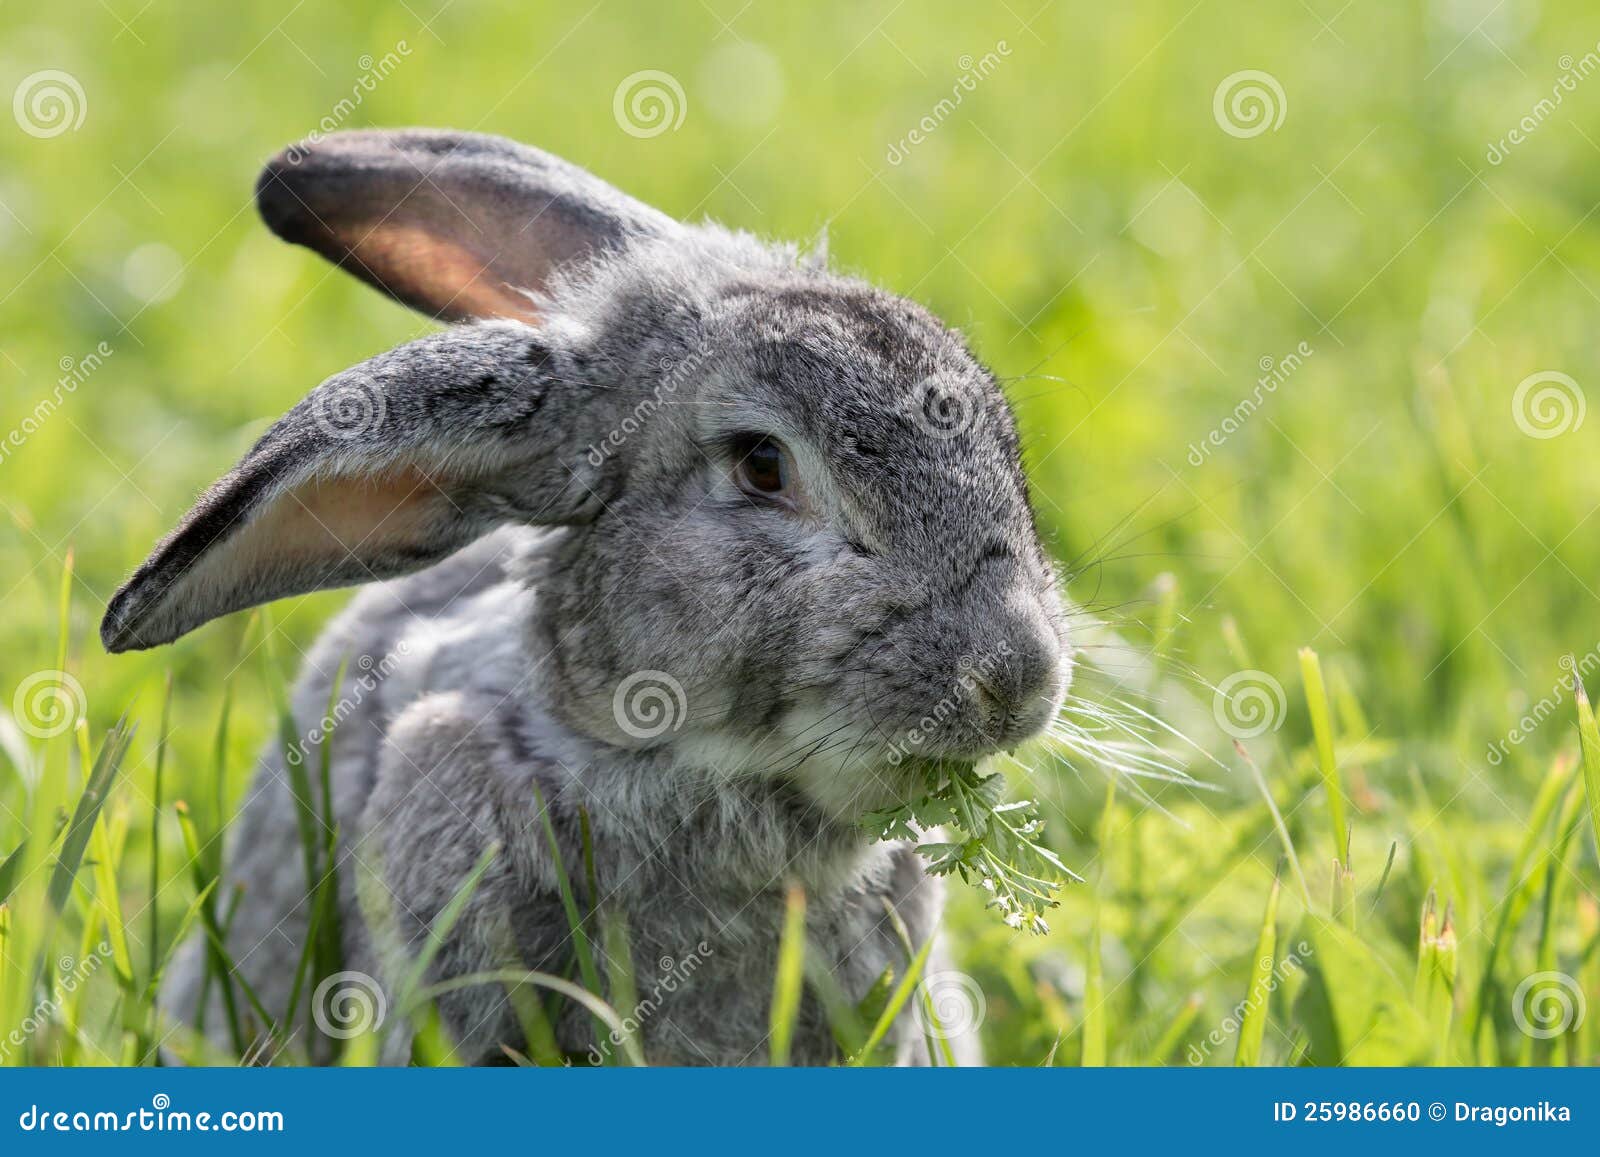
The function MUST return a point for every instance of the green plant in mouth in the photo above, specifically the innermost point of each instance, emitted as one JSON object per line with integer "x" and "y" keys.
{"x": 999, "y": 846}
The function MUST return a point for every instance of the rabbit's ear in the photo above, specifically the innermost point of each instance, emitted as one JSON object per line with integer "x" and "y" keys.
{"x": 456, "y": 225}
{"x": 381, "y": 470}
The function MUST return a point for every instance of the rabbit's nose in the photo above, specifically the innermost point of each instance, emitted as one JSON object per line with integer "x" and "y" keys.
{"x": 1015, "y": 686}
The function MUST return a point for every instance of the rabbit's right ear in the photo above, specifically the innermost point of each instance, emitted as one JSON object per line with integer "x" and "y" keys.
{"x": 381, "y": 470}
{"x": 456, "y": 225}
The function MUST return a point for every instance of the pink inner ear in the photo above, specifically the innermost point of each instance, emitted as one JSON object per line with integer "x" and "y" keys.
{"x": 444, "y": 277}
{"x": 338, "y": 521}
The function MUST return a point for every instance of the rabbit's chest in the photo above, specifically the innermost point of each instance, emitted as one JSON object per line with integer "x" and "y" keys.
{"x": 705, "y": 964}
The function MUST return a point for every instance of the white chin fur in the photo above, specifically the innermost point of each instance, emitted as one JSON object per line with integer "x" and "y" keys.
{"x": 841, "y": 767}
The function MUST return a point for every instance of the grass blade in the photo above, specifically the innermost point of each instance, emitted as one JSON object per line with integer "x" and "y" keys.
{"x": 1557, "y": 884}
{"x": 9, "y": 867}
{"x": 897, "y": 1001}
{"x": 112, "y": 750}
{"x": 1589, "y": 740}
{"x": 153, "y": 984}
{"x": 205, "y": 886}
{"x": 305, "y": 811}
{"x": 163, "y": 735}
{"x": 619, "y": 971}
{"x": 1095, "y": 1013}
{"x": 1253, "y": 1027}
{"x": 1435, "y": 989}
{"x": 1322, "y": 729}
{"x": 1518, "y": 896}
{"x": 1277, "y": 822}
{"x": 443, "y": 923}
{"x": 329, "y": 940}
{"x": 103, "y": 869}
{"x": 569, "y": 902}
{"x": 1175, "y": 1032}
{"x": 602, "y": 1012}
{"x": 787, "y": 984}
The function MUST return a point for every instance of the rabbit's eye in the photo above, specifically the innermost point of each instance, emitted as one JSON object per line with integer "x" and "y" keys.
{"x": 763, "y": 468}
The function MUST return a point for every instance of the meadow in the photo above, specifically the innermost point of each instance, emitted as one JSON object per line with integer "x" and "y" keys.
{"x": 1295, "y": 304}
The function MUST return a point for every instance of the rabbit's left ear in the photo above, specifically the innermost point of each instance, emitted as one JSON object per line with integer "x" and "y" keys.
{"x": 457, "y": 225}
{"x": 381, "y": 470}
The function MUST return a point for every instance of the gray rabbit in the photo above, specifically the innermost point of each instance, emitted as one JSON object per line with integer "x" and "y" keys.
{"x": 677, "y": 529}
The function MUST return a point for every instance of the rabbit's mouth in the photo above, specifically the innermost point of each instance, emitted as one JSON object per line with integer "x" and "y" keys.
{"x": 994, "y": 704}
{"x": 907, "y": 727}
{"x": 1007, "y": 719}
{"x": 884, "y": 768}
{"x": 849, "y": 792}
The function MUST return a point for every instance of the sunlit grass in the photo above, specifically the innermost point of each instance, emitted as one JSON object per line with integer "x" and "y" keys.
{"x": 1125, "y": 266}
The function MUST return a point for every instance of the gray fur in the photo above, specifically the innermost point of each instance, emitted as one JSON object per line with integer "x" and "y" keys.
{"x": 811, "y": 647}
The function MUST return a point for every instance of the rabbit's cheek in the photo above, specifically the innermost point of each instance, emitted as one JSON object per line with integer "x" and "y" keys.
{"x": 853, "y": 777}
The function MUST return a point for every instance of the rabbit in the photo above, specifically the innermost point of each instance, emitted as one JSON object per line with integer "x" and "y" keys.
{"x": 676, "y": 536}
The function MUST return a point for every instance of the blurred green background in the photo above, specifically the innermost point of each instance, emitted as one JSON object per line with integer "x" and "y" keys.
{"x": 1127, "y": 245}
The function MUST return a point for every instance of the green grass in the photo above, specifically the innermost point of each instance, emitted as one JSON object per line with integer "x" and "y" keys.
{"x": 1125, "y": 265}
